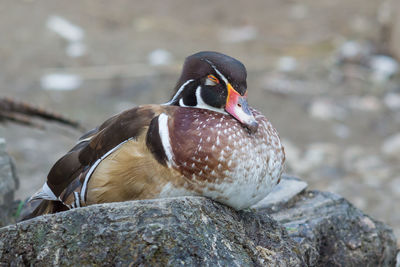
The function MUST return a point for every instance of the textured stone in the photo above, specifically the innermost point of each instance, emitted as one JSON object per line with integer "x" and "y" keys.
{"x": 332, "y": 232}
{"x": 291, "y": 227}
{"x": 313, "y": 229}
{"x": 190, "y": 231}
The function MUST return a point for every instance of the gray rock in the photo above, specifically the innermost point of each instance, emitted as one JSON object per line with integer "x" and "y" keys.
{"x": 190, "y": 231}
{"x": 313, "y": 229}
{"x": 8, "y": 184}
{"x": 332, "y": 232}
{"x": 391, "y": 146}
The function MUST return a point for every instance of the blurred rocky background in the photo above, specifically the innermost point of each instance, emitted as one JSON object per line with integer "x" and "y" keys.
{"x": 326, "y": 73}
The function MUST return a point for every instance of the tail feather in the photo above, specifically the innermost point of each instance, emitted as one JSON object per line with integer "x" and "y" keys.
{"x": 44, "y": 193}
{"x": 35, "y": 208}
{"x": 21, "y": 112}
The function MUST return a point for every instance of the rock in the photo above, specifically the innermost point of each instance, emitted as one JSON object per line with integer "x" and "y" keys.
{"x": 8, "y": 184}
{"x": 72, "y": 33}
{"x": 159, "y": 57}
{"x": 353, "y": 51}
{"x": 332, "y": 232}
{"x": 60, "y": 81}
{"x": 287, "y": 64}
{"x": 383, "y": 67}
{"x": 65, "y": 28}
{"x": 341, "y": 131}
{"x": 187, "y": 231}
{"x": 312, "y": 229}
{"x": 325, "y": 109}
{"x": 391, "y": 146}
{"x": 392, "y": 101}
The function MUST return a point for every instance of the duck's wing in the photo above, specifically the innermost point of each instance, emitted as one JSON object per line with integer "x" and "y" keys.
{"x": 71, "y": 170}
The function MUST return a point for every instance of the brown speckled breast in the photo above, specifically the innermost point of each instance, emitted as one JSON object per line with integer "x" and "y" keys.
{"x": 212, "y": 148}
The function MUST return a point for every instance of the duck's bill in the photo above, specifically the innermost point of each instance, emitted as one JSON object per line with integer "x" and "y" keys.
{"x": 237, "y": 106}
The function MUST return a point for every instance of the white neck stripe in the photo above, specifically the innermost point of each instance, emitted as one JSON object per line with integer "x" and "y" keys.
{"x": 204, "y": 105}
{"x": 178, "y": 92}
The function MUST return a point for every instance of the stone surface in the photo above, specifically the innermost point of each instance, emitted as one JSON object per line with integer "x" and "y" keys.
{"x": 8, "y": 184}
{"x": 312, "y": 229}
{"x": 391, "y": 146}
{"x": 190, "y": 231}
{"x": 332, "y": 232}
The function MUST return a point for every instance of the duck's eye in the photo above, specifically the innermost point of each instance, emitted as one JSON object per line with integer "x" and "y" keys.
{"x": 211, "y": 80}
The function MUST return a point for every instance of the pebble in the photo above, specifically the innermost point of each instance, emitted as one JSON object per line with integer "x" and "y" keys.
{"x": 65, "y": 28}
{"x": 350, "y": 49}
{"x": 60, "y": 81}
{"x": 353, "y": 51}
{"x": 160, "y": 57}
{"x": 76, "y": 49}
{"x": 392, "y": 101}
{"x": 341, "y": 131}
{"x": 383, "y": 67}
{"x": 287, "y": 64}
{"x": 70, "y": 32}
{"x": 395, "y": 186}
{"x": 325, "y": 109}
{"x": 391, "y": 146}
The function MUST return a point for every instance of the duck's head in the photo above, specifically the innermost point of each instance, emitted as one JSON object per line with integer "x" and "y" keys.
{"x": 217, "y": 82}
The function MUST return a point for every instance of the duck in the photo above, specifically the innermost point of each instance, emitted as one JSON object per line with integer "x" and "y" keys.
{"x": 205, "y": 141}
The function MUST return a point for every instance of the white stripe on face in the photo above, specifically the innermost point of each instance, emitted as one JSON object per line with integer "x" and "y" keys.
{"x": 218, "y": 72}
{"x": 178, "y": 92}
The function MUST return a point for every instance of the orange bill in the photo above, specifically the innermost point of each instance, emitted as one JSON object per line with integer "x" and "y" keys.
{"x": 237, "y": 106}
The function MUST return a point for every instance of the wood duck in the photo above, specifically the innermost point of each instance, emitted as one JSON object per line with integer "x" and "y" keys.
{"x": 205, "y": 141}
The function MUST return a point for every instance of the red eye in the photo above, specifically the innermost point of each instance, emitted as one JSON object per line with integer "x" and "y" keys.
{"x": 213, "y": 78}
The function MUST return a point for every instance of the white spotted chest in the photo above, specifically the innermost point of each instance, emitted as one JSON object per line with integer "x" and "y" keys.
{"x": 226, "y": 163}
